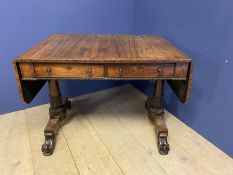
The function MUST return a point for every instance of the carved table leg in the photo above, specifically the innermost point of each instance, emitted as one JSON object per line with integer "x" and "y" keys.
{"x": 57, "y": 112}
{"x": 155, "y": 109}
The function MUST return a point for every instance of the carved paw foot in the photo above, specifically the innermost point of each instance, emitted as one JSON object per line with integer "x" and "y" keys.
{"x": 163, "y": 145}
{"x": 48, "y": 146}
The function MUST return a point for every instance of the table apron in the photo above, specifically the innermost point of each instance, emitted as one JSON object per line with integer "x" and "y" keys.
{"x": 155, "y": 71}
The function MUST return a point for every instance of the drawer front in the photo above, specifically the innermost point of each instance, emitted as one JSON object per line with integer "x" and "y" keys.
{"x": 50, "y": 70}
{"x": 142, "y": 70}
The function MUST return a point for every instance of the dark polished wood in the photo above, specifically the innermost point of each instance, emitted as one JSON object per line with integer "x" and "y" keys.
{"x": 154, "y": 105}
{"x": 103, "y": 49}
{"x": 57, "y": 112}
{"x": 102, "y": 57}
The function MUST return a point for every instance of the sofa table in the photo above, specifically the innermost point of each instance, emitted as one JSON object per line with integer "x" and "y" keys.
{"x": 103, "y": 57}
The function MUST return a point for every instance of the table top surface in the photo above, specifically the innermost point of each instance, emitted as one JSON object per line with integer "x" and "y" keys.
{"x": 85, "y": 48}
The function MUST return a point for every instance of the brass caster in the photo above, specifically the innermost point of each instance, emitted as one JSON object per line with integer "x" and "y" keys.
{"x": 163, "y": 145}
{"x": 48, "y": 146}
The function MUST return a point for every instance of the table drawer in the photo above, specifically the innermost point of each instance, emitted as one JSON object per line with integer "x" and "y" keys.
{"x": 141, "y": 70}
{"x": 62, "y": 70}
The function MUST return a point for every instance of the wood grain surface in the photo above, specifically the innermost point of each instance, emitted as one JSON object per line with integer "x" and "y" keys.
{"x": 103, "y": 49}
{"x": 102, "y": 57}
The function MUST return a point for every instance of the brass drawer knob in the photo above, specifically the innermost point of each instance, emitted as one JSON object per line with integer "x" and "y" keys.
{"x": 121, "y": 72}
{"x": 89, "y": 72}
{"x": 48, "y": 70}
{"x": 160, "y": 70}
{"x": 68, "y": 67}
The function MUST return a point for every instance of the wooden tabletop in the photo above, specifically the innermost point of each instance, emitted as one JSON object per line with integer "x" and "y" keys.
{"x": 82, "y": 48}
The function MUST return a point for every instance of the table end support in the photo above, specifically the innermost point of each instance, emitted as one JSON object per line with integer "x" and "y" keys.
{"x": 57, "y": 113}
{"x": 154, "y": 105}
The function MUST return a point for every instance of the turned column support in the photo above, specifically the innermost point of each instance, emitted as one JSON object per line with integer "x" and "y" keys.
{"x": 57, "y": 113}
{"x": 57, "y": 109}
{"x": 154, "y": 105}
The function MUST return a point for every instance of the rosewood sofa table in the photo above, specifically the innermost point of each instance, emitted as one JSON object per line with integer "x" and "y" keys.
{"x": 103, "y": 57}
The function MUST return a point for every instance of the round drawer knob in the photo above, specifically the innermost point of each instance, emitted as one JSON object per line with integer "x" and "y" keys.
{"x": 160, "y": 70}
{"x": 121, "y": 72}
{"x": 68, "y": 67}
{"x": 89, "y": 72}
{"x": 48, "y": 70}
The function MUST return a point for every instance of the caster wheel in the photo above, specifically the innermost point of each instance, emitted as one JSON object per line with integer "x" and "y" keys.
{"x": 48, "y": 146}
{"x": 163, "y": 146}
